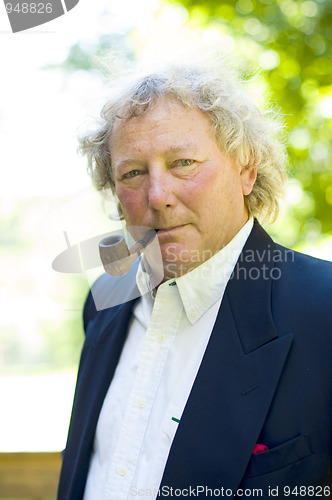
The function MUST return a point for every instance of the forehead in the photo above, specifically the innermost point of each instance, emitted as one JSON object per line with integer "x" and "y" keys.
{"x": 166, "y": 124}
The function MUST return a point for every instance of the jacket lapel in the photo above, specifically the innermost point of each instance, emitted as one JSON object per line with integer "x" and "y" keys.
{"x": 236, "y": 381}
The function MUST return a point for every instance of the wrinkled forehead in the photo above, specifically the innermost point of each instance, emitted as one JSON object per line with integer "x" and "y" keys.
{"x": 163, "y": 118}
{"x": 158, "y": 111}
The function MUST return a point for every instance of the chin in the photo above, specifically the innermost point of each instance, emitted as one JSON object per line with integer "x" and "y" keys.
{"x": 175, "y": 253}
{"x": 175, "y": 268}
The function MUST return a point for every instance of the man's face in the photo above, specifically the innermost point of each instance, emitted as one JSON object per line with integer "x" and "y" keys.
{"x": 171, "y": 175}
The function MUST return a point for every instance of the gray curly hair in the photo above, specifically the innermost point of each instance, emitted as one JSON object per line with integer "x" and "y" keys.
{"x": 242, "y": 131}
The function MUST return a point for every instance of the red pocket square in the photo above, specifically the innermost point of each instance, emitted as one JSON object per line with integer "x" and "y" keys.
{"x": 259, "y": 448}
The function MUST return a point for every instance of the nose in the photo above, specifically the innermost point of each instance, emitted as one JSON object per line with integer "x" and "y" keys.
{"x": 161, "y": 192}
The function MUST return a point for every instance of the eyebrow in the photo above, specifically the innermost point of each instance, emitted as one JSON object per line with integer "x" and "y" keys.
{"x": 182, "y": 146}
{"x": 127, "y": 161}
{"x": 177, "y": 148}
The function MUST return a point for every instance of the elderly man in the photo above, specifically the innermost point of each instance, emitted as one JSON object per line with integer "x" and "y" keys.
{"x": 218, "y": 381}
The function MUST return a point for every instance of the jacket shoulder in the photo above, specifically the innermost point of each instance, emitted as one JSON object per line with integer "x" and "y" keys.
{"x": 306, "y": 268}
{"x": 304, "y": 288}
{"x": 109, "y": 291}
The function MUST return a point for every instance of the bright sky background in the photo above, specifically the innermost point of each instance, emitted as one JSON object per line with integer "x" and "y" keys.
{"x": 41, "y": 110}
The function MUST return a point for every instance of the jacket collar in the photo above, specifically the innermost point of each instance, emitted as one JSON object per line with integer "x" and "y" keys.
{"x": 250, "y": 290}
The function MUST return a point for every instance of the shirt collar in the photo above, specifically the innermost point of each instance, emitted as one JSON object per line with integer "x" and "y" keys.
{"x": 143, "y": 284}
{"x": 200, "y": 288}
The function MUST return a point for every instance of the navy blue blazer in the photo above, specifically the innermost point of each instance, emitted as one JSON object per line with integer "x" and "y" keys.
{"x": 266, "y": 377}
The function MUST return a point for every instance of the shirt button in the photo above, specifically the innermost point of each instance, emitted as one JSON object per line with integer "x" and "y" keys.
{"x": 192, "y": 315}
{"x": 161, "y": 338}
{"x": 122, "y": 470}
{"x": 141, "y": 403}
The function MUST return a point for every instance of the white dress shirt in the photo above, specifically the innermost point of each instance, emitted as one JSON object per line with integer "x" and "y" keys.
{"x": 166, "y": 341}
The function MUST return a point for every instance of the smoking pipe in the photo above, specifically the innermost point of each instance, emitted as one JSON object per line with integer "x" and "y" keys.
{"x": 117, "y": 259}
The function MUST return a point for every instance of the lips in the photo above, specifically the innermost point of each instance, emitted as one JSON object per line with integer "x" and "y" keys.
{"x": 168, "y": 229}
{"x": 169, "y": 234}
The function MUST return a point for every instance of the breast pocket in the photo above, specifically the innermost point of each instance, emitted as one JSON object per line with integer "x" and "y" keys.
{"x": 279, "y": 457}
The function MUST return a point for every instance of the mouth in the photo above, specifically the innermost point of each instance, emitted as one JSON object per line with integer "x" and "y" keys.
{"x": 165, "y": 230}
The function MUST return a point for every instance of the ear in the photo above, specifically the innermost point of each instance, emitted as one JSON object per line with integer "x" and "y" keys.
{"x": 248, "y": 179}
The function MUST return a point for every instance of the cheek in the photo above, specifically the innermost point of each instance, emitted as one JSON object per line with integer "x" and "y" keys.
{"x": 217, "y": 193}
{"x": 207, "y": 189}
{"x": 132, "y": 203}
